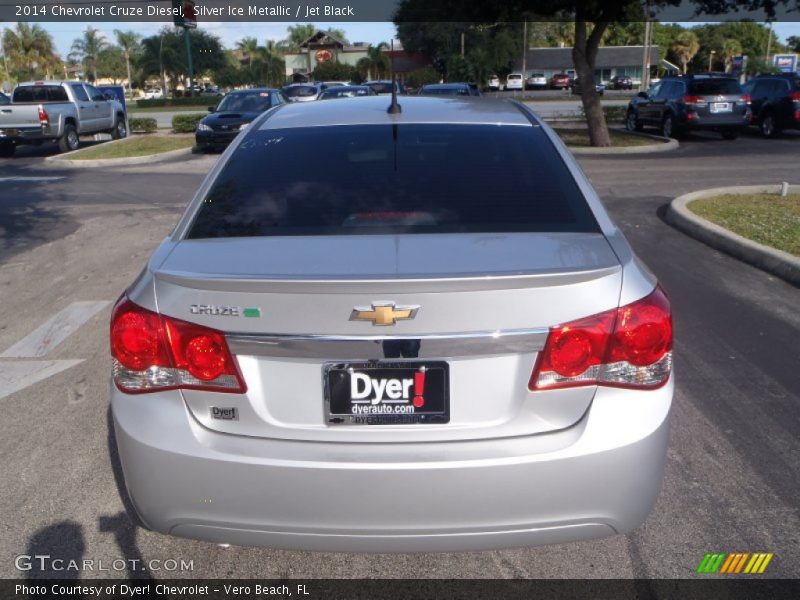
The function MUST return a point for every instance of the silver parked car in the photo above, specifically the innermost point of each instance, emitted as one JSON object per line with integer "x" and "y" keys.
{"x": 434, "y": 340}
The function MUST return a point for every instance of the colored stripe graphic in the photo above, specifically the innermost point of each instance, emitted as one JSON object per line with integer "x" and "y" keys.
{"x": 734, "y": 562}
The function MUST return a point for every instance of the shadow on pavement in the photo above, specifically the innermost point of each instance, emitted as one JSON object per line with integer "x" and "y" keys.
{"x": 61, "y": 541}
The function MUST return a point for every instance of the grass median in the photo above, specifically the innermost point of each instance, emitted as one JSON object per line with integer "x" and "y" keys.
{"x": 579, "y": 138}
{"x": 143, "y": 145}
{"x": 768, "y": 219}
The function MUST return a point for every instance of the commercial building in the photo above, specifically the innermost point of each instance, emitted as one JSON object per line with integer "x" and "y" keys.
{"x": 611, "y": 61}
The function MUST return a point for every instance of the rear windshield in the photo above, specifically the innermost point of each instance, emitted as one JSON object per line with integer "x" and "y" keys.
{"x": 40, "y": 93}
{"x": 714, "y": 86}
{"x": 381, "y": 88}
{"x": 367, "y": 179}
{"x": 301, "y": 91}
{"x": 444, "y": 91}
{"x": 345, "y": 92}
{"x": 245, "y": 102}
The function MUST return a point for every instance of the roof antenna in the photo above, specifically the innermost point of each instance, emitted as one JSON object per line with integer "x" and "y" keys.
{"x": 394, "y": 107}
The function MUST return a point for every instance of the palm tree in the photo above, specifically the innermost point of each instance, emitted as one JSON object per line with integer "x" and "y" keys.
{"x": 130, "y": 42}
{"x": 85, "y": 49}
{"x": 686, "y": 46}
{"x": 28, "y": 51}
{"x": 376, "y": 62}
{"x": 248, "y": 47}
{"x": 297, "y": 35}
{"x": 730, "y": 47}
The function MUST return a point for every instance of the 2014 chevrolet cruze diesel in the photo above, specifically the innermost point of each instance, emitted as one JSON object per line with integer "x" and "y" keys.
{"x": 393, "y": 332}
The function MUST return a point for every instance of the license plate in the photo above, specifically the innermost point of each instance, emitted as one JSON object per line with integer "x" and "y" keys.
{"x": 720, "y": 107}
{"x": 379, "y": 393}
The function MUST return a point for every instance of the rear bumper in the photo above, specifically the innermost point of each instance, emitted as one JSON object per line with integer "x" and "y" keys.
{"x": 599, "y": 477}
{"x": 27, "y": 135}
{"x": 698, "y": 121}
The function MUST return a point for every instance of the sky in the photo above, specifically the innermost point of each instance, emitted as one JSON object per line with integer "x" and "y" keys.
{"x": 230, "y": 32}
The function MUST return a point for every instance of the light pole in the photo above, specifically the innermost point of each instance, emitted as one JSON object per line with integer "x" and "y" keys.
{"x": 710, "y": 58}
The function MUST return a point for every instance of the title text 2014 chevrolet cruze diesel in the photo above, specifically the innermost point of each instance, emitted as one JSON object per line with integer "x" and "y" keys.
{"x": 393, "y": 332}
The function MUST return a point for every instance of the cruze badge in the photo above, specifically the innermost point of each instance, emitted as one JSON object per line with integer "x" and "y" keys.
{"x": 383, "y": 313}
{"x": 224, "y": 311}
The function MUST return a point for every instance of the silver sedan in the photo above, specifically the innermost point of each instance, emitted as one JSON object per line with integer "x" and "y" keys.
{"x": 430, "y": 337}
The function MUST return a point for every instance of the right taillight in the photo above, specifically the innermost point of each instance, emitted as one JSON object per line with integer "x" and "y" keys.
{"x": 627, "y": 347}
{"x": 154, "y": 352}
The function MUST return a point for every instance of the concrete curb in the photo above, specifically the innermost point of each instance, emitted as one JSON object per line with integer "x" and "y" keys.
{"x": 62, "y": 161}
{"x": 662, "y": 146}
{"x": 779, "y": 263}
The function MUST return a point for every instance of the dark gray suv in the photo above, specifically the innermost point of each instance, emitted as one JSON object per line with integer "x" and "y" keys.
{"x": 676, "y": 105}
{"x": 776, "y": 102}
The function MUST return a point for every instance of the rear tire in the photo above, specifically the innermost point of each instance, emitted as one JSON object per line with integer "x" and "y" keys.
{"x": 7, "y": 149}
{"x": 768, "y": 126}
{"x": 69, "y": 141}
{"x": 632, "y": 124}
{"x": 668, "y": 127}
{"x": 120, "y": 130}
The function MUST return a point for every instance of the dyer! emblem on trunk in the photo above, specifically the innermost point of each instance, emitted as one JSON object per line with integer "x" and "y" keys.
{"x": 383, "y": 313}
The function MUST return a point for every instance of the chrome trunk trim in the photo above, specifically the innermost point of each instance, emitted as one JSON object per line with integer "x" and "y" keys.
{"x": 375, "y": 347}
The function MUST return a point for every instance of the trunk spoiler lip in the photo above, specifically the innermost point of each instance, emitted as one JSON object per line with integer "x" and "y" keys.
{"x": 383, "y": 283}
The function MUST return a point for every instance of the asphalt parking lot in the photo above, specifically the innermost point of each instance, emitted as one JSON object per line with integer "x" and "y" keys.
{"x": 80, "y": 236}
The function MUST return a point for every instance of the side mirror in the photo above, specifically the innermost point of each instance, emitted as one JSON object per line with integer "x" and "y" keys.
{"x": 642, "y": 95}
{"x": 212, "y": 109}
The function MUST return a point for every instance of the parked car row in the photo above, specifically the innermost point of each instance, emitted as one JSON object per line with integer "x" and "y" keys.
{"x": 677, "y": 105}
{"x": 559, "y": 81}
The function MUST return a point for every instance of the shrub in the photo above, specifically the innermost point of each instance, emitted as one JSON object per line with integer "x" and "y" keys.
{"x": 160, "y": 102}
{"x": 420, "y": 77}
{"x": 142, "y": 125}
{"x": 187, "y": 122}
{"x": 613, "y": 114}
{"x": 333, "y": 71}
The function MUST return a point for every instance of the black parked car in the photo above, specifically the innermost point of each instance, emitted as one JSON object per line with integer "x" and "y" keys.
{"x": 575, "y": 87}
{"x": 676, "y": 105}
{"x": 775, "y": 102}
{"x": 450, "y": 89}
{"x": 621, "y": 82}
{"x": 234, "y": 113}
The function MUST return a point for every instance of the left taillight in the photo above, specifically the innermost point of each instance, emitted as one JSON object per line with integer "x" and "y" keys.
{"x": 627, "y": 347}
{"x": 154, "y": 352}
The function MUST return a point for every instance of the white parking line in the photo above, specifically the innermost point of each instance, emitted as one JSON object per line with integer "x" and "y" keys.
{"x": 31, "y": 179}
{"x": 16, "y": 375}
{"x": 55, "y": 330}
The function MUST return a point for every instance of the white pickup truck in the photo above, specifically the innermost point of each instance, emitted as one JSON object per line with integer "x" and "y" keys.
{"x": 60, "y": 111}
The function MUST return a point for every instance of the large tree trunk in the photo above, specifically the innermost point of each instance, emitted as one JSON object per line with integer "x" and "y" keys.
{"x": 128, "y": 67}
{"x": 584, "y": 57}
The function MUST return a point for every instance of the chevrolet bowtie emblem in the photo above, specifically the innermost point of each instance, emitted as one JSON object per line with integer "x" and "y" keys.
{"x": 383, "y": 313}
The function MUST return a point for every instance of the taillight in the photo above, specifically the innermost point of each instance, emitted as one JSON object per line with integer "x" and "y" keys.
{"x": 627, "y": 347}
{"x": 795, "y": 96}
{"x": 694, "y": 101}
{"x": 747, "y": 99}
{"x": 44, "y": 119}
{"x": 153, "y": 352}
